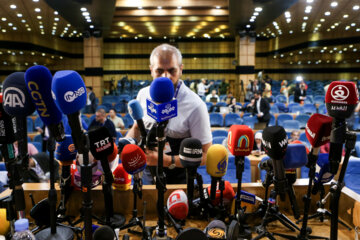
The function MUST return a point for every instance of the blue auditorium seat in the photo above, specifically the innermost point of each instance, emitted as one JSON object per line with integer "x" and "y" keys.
{"x": 305, "y": 170}
{"x": 38, "y": 123}
{"x": 37, "y": 138}
{"x": 302, "y": 118}
{"x": 319, "y": 99}
{"x": 274, "y": 109}
{"x": 128, "y": 121}
{"x": 216, "y": 120}
{"x": 37, "y": 145}
{"x": 322, "y": 109}
{"x": 280, "y": 99}
{"x": 218, "y": 140}
{"x": 352, "y": 174}
{"x": 29, "y": 124}
{"x": 291, "y": 124}
{"x": 231, "y": 119}
{"x": 282, "y": 107}
{"x": 297, "y": 109}
{"x": 250, "y": 121}
{"x": 272, "y": 121}
{"x": 309, "y": 108}
{"x": 220, "y": 133}
{"x": 283, "y": 117}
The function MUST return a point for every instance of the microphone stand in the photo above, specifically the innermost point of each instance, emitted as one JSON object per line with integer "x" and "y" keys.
{"x": 111, "y": 219}
{"x": 161, "y": 232}
{"x": 244, "y": 231}
{"x": 54, "y": 232}
{"x": 135, "y": 220}
{"x": 350, "y": 140}
{"x": 65, "y": 192}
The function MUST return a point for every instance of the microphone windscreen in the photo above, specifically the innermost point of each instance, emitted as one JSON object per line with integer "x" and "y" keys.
{"x": 240, "y": 140}
{"x": 38, "y": 82}
{"x": 217, "y": 160}
{"x": 133, "y": 159}
{"x": 69, "y": 91}
{"x": 216, "y": 230}
{"x": 113, "y": 155}
{"x": 125, "y": 141}
{"x": 16, "y": 98}
{"x": 341, "y": 99}
{"x": 190, "y": 152}
{"x": 295, "y": 156}
{"x": 65, "y": 151}
{"x": 228, "y": 194}
{"x": 101, "y": 143}
{"x": 104, "y": 233}
{"x": 318, "y": 129}
{"x": 135, "y": 110}
{"x": 178, "y": 205}
{"x": 122, "y": 180}
{"x": 162, "y": 90}
{"x": 275, "y": 142}
{"x": 7, "y": 130}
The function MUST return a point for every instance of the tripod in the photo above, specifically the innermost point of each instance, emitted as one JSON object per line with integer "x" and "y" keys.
{"x": 135, "y": 220}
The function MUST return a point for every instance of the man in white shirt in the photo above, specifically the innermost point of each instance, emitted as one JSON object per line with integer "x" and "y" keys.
{"x": 117, "y": 121}
{"x": 202, "y": 88}
{"x": 192, "y": 120}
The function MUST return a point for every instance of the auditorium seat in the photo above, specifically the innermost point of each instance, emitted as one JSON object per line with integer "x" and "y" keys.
{"x": 121, "y": 107}
{"x": 2, "y": 166}
{"x": 282, "y": 107}
{"x": 86, "y": 119}
{"x": 357, "y": 149}
{"x": 38, "y": 123}
{"x": 105, "y": 106}
{"x": 309, "y": 108}
{"x": 231, "y": 119}
{"x": 216, "y": 120}
{"x": 208, "y": 105}
{"x": 302, "y": 118}
{"x": 291, "y": 105}
{"x": 291, "y": 99}
{"x": 38, "y": 138}
{"x": 250, "y": 121}
{"x": 218, "y": 140}
{"x": 297, "y": 109}
{"x": 305, "y": 171}
{"x": 322, "y": 109}
{"x": 283, "y": 117}
{"x": 352, "y": 174}
{"x": 220, "y": 133}
{"x": 303, "y": 138}
{"x": 280, "y": 99}
{"x": 291, "y": 124}
{"x": 37, "y": 145}
{"x": 29, "y": 124}
{"x": 319, "y": 99}
{"x": 128, "y": 121}
{"x": 272, "y": 121}
{"x": 274, "y": 109}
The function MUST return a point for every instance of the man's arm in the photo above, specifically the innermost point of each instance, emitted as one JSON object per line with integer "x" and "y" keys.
{"x": 134, "y": 132}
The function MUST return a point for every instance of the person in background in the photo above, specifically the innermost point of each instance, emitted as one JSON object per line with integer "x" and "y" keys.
{"x": 117, "y": 121}
{"x": 233, "y": 107}
{"x": 258, "y": 146}
{"x": 262, "y": 108}
{"x": 284, "y": 90}
{"x": 300, "y": 94}
{"x": 91, "y": 101}
{"x": 229, "y": 98}
{"x": 212, "y": 95}
{"x": 267, "y": 91}
{"x": 295, "y": 135}
{"x": 101, "y": 120}
{"x": 202, "y": 88}
{"x": 32, "y": 150}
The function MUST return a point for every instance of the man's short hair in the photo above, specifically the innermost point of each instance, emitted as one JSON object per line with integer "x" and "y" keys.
{"x": 257, "y": 92}
{"x": 112, "y": 109}
{"x": 101, "y": 110}
{"x": 166, "y": 48}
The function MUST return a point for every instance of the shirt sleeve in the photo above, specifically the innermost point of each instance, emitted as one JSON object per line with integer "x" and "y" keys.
{"x": 199, "y": 123}
{"x": 32, "y": 149}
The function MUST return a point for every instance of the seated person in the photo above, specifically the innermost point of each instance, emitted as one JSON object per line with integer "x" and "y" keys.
{"x": 294, "y": 139}
{"x": 101, "y": 120}
{"x": 117, "y": 121}
{"x": 233, "y": 107}
{"x": 32, "y": 150}
{"x": 258, "y": 148}
{"x": 212, "y": 97}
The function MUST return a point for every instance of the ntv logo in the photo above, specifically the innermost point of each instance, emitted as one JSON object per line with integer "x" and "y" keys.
{"x": 14, "y": 97}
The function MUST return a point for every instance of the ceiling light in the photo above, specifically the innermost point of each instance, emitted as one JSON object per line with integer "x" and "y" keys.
{"x": 159, "y": 7}
{"x": 255, "y": 14}
{"x": 15, "y": 28}
{"x": 10, "y": 24}
{"x": 83, "y": 9}
{"x": 29, "y": 29}
{"x": 327, "y": 13}
{"x": 258, "y": 9}
{"x": 150, "y": 37}
{"x": 345, "y": 16}
{"x": 56, "y": 19}
{"x": 39, "y": 17}
{"x": 19, "y": 15}
{"x": 91, "y": 26}
{"x": 12, "y": 6}
{"x": 358, "y": 29}
{"x": 252, "y": 20}
{"x": 248, "y": 26}
{"x": 3, "y": 19}
{"x": 287, "y": 14}
{"x": 56, "y": 13}
{"x": 140, "y": 7}
{"x": 41, "y": 26}
{"x": 309, "y": 1}
{"x": 88, "y": 20}
{"x": 23, "y": 20}
{"x": 356, "y": 7}
{"x": 85, "y": 14}
{"x": 306, "y": 18}
{"x": 37, "y": 10}
{"x": 353, "y": 24}
{"x": 179, "y": 7}
{"x": 35, "y": 0}
{"x": 217, "y": 7}
{"x": 347, "y": 28}
{"x": 288, "y": 20}
{"x": 334, "y": 4}
{"x": 322, "y": 20}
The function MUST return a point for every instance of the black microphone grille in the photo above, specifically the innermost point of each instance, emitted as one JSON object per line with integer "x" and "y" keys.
{"x": 104, "y": 233}
{"x": 275, "y": 141}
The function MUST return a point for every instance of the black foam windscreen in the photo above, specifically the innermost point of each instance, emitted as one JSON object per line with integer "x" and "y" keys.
{"x": 41, "y": 213}
{"x": 104, "y": 233}
{"x": 190, "y": 152}
{"x": 275, "y": 142}
{"x": 101, "y": 143}
{"x": 191, "y": 234}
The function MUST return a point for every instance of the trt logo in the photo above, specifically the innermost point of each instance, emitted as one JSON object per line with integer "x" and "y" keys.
{"x": 14, "y": 97}
{"x": 102, "y": 142}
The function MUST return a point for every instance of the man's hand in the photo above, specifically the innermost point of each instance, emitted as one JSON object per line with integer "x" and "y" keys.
{"x": 151, "y": 157}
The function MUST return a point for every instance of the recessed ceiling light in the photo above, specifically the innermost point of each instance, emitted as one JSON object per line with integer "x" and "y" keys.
{"x": 12, "y": 6}
{"x": 39, "y": 17}
{"x": 41, "y": 26}
{"x": 85, "y": 14}
{"x": 327, "y": 13}
{"x": 88, "y": 20}
{"x": 218, "y": 7}
{"x": 248, "y": 26}
{"x": 19, "y": 15}
{"x": 353, "y": 24}
{"x": 14, "y": 28}
{"x": 35, "y": 0}
{"x": 258, "y": 9}
{"x": 322, "y": 20}
{"x": 159, "y": 7}
{"x": 23, "y": 20}
{"x": 56, "y": 19}
{"x": 356, "y": 7}
{"x": 140, "y": 7}
{"x": 10, "y": 24}
{"x": 37, "y": 10}
{"x": 83, "y": 9}
{"x": 56, "y": 13}
{"x": 29, "y": 29}
{"x": 309, "y": 1}
{"x": 91, "y": 26}
{"x": 334, "y": 4}
{"x": 306, "y": 18}
{"x": 256, "y": 14}
{"x": 3, "y": 19}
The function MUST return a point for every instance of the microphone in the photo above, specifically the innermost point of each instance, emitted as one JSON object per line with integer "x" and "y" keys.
{"x": 133, "y": 160}
{"x": 122, "y": 180}
{"x": 341, "y": 99}
{"x": 125, "y": 141}
{"x": 38, "y": 82}
{"x": 161, "y": 106}
{"x": 104, "y": 233}
{"x": 69, "y": 93}
{"x": 228, "y": 194}
{"x": 240, "y": 141}
{"x": 216, "y": 230}
{"x": 7, "y": 126}
{"x": 136, "y": 112}
{"x": 275, "y": 142}
{"x": 190, "y": 155}
{"x": 177, "y": 205}
{"x": 216, "y": 165}
{"x": 318, "y": 130}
